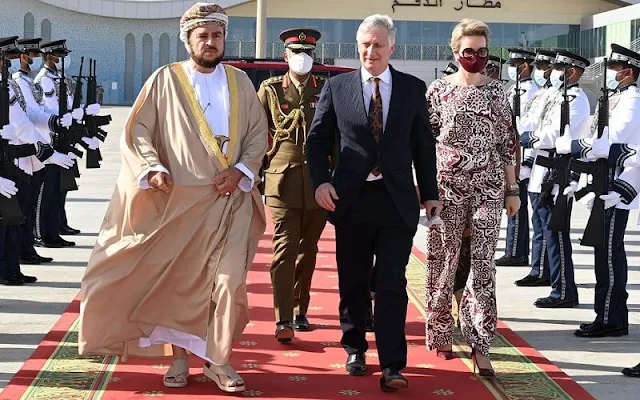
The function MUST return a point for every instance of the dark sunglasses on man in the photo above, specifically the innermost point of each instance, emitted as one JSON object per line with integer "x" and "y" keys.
{"x": 471, "y": 53}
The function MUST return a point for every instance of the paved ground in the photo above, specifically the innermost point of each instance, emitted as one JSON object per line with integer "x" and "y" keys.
{"x": 27, "y": 313}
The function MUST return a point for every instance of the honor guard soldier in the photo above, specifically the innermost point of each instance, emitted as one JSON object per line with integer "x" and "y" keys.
{"x": 32, "y": 101}
{"x": 567, "y": 70}
{"x": 494, "y": 67}
{"x": 535, "y": 111}
{"x": 620, "y": 129}
{"x": 450, "y": 69}
{"x": 517, "y": 246}
{"x": 50, "y": 211}
{"x": 290, "y": 102}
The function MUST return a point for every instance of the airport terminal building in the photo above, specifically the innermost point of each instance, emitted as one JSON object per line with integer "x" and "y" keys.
{"x": 131, "y": 38}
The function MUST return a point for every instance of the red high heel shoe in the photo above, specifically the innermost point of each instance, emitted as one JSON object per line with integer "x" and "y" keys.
{"x": 483, "y": 372}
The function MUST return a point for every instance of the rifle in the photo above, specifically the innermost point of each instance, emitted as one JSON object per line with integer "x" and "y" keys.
{"x": 559, "y": 173}
{"x": 94, "y": 122}
{"x": 10, "y": 211}
{"x": 516, "y": 114}
{"x": 595, "y": 231}
{"x": 67, "y": 138}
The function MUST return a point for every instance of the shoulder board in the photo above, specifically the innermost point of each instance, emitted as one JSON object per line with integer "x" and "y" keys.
{"x": 272, "y": 80}
{"x": 321, "y": 77}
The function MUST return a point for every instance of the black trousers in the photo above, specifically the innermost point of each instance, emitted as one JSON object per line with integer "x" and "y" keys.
{"x": 63, "y": 212}
{"x": 28, "y": 196}
{"x": 373, "y": 226}
{"x": 48, "y": 208}
{"x": 611, "y": 272}
{"x": 9, "y": 261}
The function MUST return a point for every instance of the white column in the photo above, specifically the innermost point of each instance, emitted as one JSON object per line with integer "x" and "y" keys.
{"x": 261, "y": 28}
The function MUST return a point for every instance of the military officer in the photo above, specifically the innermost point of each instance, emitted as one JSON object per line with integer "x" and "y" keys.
{"x": 50, "y": 210}
{"x": 290, "y": 102}
{"x": 517, "y": 246}
{"x": 534, "y": 112}
{"x": 623, "y": 128}
{"x": 567, "y": 69}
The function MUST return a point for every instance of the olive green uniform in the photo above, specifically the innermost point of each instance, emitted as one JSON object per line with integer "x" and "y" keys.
{"x": 298, "y": 220}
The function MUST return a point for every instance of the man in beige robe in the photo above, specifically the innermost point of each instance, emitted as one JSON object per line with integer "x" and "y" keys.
{"x": 182, "y": 228}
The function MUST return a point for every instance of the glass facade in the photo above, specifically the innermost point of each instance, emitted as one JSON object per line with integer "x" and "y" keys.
{"x": 416, "y": 40}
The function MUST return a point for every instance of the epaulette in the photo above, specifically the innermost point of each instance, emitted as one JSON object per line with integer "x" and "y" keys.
{"x": 272, "y": 80}
{"x": 321, "y": 77}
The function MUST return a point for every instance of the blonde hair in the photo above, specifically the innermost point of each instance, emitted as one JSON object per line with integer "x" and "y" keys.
{"x": 468, "y": 27}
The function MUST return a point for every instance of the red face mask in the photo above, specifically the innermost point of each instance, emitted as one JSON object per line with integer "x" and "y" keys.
{"x": 474, "y": 64}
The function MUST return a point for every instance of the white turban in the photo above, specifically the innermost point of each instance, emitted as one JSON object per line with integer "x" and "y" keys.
{"x": 202, "y": 14}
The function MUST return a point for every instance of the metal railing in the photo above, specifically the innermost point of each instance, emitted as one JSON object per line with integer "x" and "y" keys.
{"x": 327, "y": 53}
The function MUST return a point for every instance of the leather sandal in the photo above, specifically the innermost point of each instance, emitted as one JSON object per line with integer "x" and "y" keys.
{"x": 177, "y": 375}
{"x": 225, "y": 377}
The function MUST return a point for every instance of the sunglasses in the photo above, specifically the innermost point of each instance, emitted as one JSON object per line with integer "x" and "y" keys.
{"x": 470, "y": 53}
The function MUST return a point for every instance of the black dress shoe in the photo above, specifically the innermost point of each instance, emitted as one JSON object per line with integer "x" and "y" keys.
{"x": 506, "y": 261}
{"x": 392, "y": 380}
{"x": 633, "y": 372}
{"x": 28, "y": 279}
{"x": 12, "y": 280}
{"x": 597, "y": 329}
{"x": 31, "y": 260}
{"x": 65, "y": 243}
{"x": 356, "y": 365}
{"x": 301, "y": 323}
{"x": 532, "y": 281}
{"x": 47, "y": 243}
{"x": 67, "y": 230}
{"x": 552, "y": 302}
{"x": 284, "y": 332}
{"x": 44, "y": 259}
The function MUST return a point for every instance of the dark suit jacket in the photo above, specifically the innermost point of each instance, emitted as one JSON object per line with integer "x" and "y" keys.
{"x": 407, "y": 138}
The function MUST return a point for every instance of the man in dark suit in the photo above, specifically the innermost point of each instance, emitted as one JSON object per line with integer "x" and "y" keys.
{"x": 382, "y": 128}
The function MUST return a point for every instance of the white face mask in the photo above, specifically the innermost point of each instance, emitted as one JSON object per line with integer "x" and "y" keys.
{"x": 15, "y": 66}
{"x": 538, "y": 76}
{"x": 67, "y": 62}
{"x": 300, "y": 63}
{"x": 612, "y": 82}
{"x": 37, "y": 63}
{"x": 557, "y": 78}
{"x": 513, "y": 73}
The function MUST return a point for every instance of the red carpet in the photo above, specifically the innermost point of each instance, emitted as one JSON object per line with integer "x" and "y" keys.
{"x": 312, "y": 367}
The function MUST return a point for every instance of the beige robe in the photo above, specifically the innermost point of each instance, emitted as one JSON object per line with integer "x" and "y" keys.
{"x": 180, "y": 260}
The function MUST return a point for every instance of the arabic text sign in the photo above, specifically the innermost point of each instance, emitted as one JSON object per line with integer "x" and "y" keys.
{"x": 438, "y": 3}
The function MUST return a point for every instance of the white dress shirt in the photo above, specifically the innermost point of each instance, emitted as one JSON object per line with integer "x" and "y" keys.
{"x": 385, "y": 92}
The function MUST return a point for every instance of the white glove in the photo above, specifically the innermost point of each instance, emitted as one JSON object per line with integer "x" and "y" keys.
{"x": 72, "y": 156}
{"x": 571, "y": 189}
{"x": 601, "y": 146}
{"x": 8, "y": 188}
{"x": 563, "y": 143}
{"x": 66, "y": 120}
{"x": 92, "y": 109}
{"x": 525, "y": 173}
{"x": 96, "y": 142}
{"x": 9, "y": 133}
{"x": 77, "y": 114}
{"x": 90, "y": 143}
{"x": 611, "y": 199}
{"x": 60, "y": 159}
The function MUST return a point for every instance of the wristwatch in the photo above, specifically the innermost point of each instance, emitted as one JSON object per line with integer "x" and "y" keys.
{"x": 512, "y": 187}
